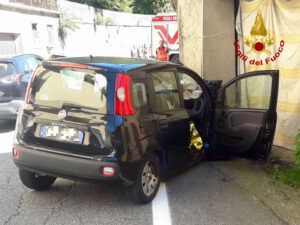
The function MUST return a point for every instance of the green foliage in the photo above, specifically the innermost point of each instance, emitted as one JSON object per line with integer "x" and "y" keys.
{"x": 297, "y": 152}
{"x": 135, "y": 6}
{"x": 290, "y": 176}
{"x": 151, "y": 6}
{"x": 67, "y": 23}
{"x": 115, "y": 5}
{"x": 99, "y": 20}
{"x": 109, "y": 21}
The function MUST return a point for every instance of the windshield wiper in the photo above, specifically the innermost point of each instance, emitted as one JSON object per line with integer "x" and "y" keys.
{"x": 71, "y": 105}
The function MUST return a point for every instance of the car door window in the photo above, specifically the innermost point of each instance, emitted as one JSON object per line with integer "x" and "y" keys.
{"x": 249, "y": 93}
{"x": 139, "y": 95}
{"x": 165, "y": 91}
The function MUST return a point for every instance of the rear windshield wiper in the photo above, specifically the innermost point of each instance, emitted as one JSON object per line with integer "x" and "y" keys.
{"x": 71, "y": 105}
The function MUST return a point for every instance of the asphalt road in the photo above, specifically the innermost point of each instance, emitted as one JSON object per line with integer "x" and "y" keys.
{"x": 203, "y": 194}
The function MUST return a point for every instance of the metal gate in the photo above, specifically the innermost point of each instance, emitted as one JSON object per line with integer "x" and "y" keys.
{"x": 7, "y": 44}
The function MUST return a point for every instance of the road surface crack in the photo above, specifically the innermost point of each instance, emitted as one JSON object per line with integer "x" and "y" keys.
{"x": 17, "y": 210}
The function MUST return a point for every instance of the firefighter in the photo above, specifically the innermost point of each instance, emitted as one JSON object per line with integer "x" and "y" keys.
{"x": 162, "y": 52}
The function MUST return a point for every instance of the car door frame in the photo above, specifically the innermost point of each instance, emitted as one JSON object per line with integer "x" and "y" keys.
{"x": 171, "y": 166}
{"x": 263, "y": 142}
{"x": 208, "y": 98}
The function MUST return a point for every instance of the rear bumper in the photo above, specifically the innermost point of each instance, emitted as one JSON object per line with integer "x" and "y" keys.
{"x": 9, "y": 110}
{"x": 65, "y": 166}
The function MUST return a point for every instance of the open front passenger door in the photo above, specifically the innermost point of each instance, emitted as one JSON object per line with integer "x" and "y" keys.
{"x": 245, "y": 114}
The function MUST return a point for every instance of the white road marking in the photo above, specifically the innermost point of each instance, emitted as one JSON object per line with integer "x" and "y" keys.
{"x": 160, "y": 207}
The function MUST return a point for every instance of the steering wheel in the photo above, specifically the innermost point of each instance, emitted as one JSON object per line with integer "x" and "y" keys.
{"x": 197, "y": 108}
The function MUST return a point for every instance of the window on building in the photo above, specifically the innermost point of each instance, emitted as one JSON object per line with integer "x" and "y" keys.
{"x": 36, "y": 36}
{"x": 50, "y": 35}
{"x": 7, "y": 44}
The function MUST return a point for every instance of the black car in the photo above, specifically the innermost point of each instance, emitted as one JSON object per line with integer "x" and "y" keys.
{"x": 14, "y": 77}
{"x": 136, "y": 120}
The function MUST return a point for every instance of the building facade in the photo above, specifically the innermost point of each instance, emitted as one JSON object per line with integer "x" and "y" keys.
{"x": 28, "y": 26}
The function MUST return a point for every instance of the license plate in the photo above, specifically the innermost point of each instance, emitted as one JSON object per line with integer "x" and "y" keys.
{"x": 61, "y": 134}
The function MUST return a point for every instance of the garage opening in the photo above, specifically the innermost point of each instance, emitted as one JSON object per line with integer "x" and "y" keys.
{"x": 9, "y": 44}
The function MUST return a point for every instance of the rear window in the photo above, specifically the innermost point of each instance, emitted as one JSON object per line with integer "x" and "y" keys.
{"x": 7, "y": 69}
{"x": 57, "y": 86}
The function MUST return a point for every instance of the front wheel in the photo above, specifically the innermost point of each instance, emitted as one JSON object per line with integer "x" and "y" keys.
{"x": 147, "y": 182}
{"x": 36, "y": 181}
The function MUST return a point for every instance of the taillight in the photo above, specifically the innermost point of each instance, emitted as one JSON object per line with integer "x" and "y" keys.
{"x": 122, "y": 95}
{"x": 15, "y": 153}
{"x": 29, "y": 85}
{"x": 108, "y": 171}
{"x": 10, "y": 79}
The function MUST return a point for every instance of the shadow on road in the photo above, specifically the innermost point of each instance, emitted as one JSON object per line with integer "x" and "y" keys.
{"x": 7, "y": 125}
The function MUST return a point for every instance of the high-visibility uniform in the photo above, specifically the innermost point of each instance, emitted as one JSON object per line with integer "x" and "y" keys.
{"x": 162, "y": 54}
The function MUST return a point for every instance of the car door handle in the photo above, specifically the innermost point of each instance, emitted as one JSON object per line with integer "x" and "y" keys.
{"x": 163, "y": 123}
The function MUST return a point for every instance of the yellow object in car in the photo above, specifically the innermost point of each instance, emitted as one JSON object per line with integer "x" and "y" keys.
{"x": 195, "y": 139}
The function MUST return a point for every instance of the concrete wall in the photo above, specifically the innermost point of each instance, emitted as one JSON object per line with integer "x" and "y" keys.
{"x": 129, "y": 32}
{"x": 218, "y": 50}
{"x": 190, "y": 27}
{"x": 206, "y": 37}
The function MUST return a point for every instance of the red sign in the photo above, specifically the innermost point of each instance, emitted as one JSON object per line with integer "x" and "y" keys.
{"x": 162, "y": 32}
{"x": 164, "y": 18}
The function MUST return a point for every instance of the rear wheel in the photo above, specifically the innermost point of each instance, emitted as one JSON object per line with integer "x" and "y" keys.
{"x": 36, "y": 181}
{"x": 147, "y": 183}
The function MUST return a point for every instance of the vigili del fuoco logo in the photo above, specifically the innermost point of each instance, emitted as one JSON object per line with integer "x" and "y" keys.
{"x": 258, "y": 42}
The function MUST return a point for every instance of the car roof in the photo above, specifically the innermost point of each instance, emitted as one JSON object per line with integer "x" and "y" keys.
{"x": 5, "y": 61}
{"x": 117, "y": 64}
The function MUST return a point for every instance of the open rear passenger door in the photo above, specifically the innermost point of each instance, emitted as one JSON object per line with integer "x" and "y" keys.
{"x": 245, "y": 114}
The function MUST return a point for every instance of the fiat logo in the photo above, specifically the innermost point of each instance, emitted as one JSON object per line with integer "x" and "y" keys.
{"x": 62, "y": 114}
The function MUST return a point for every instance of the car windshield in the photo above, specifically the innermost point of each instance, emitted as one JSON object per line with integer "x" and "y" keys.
{"x": 77, "y": 88}
{"x": 6, "y": 69}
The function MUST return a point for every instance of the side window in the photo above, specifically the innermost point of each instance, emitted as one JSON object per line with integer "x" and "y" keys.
{"x": 252, "y": 92}
{"x": 165, "y": 91}
{"x": 139, "y": 94}
{"x": 191, "y": 89}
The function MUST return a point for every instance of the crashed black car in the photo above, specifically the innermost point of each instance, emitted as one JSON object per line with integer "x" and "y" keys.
{"x": 136, "y": 120}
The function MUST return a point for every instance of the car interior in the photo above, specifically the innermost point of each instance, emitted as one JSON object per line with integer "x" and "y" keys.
{"x": 197, "y": 103}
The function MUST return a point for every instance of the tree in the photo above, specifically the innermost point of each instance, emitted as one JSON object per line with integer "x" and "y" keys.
{"x": 135, "y": 6}
{"x": 150, "y": 6}
{"x": 115, "y": 5}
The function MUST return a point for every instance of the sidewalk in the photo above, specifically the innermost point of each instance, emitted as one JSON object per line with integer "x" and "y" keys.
{"x": 254, "y": 177}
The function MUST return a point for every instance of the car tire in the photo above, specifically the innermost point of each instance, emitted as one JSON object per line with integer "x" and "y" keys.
{"x": 36, "y": 181}
{"x": 147, "y": 182}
